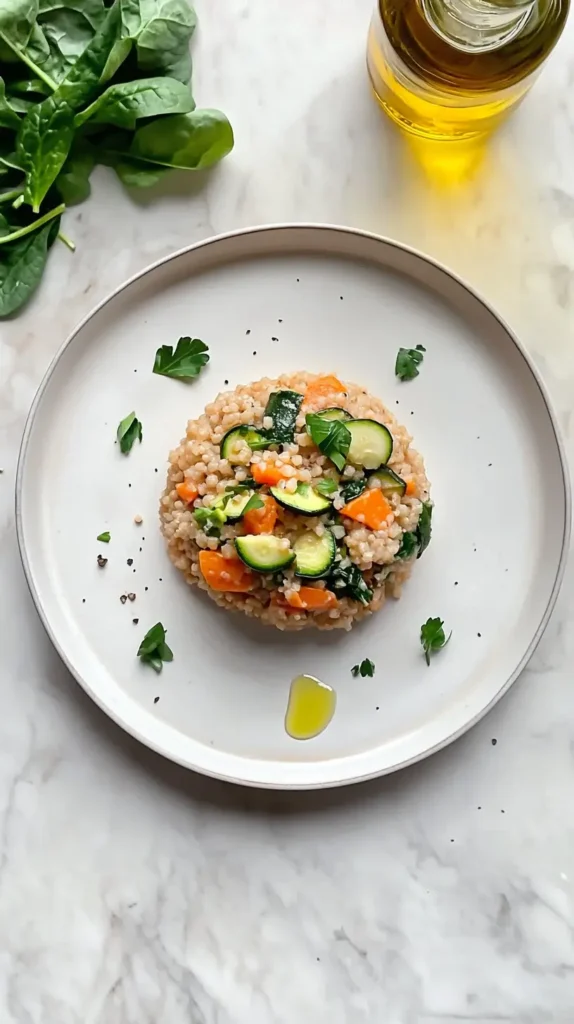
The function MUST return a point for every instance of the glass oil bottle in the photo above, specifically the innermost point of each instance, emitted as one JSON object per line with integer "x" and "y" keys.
{"x": 454, "y": 69}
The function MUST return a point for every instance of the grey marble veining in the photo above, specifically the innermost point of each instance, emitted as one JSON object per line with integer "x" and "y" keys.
{"x": 132, "y": 892}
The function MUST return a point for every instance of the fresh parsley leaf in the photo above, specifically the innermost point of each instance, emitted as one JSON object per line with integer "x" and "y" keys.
{"x": 185, "y": 363}
{"x": 253, "y": 503}
{"x": 129, "y": 430}
{"x": 326, "y": 485}
{"x": 424, "y": 527}
{"x": 353, "y": 489}
{"x": 153, "y": 649}
{"x": 409, "y": 545}
{"x": 283, "y": 408}
{"x": 366, "y": 668}
{"x": 104, "y": 537}
{"x": 433, "y": 637}
{"x": 331, "y": 437}
{"x": 350, "y": 582}
{"x": 421, "y": 348}
{"x": 407, "y": 362}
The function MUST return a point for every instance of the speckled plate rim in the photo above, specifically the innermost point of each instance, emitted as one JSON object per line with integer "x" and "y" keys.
{"x": 324, "y": 230}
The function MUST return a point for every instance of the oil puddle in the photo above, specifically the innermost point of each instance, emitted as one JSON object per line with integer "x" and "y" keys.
{"x": 310, "y": 708}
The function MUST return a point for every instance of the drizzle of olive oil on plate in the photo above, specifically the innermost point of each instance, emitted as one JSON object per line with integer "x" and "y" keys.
{"x": 310, "y": 708}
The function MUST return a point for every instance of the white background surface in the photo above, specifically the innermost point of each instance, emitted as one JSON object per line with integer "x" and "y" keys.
{"x": 132, "y": 891}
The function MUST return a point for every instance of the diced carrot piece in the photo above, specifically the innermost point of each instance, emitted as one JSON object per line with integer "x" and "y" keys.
{"x": 323, "y": 386}
{"x": 261, "y": 520}
{"x": 266, "y": 473}
{"x": 370, "y": 508}
{"x": 313, "y": 599}
{"x": 411, "y": 488}
{"x": 225, "y": 574}
{"x": 186, "y": 491}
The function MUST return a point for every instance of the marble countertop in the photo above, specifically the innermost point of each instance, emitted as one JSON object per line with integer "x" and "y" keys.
{"x": 132, "y": 891}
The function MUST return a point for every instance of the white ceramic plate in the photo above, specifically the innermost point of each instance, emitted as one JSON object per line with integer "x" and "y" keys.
{"x": 266, "y": 301}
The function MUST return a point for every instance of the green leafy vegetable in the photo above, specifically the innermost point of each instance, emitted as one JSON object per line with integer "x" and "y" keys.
{"x": 129, "y": 431}
{"x": 162, "y": 37}
{"x": 331, "y": 437}
{"x": 134, "y": 175}
{"x": 408, "y": 361}
{"x": 73, "y": 181}
{"x": 353, "y": 488}
{"x": 283, "y": 408}
{"x": 104, "y": 537}
{"x": 433, "y": 637}
{"x": 409, "y": 545}
{"x": 424, "y": 527}
{"x": 86, "y": 82}
{"x": 366, "y": 668}
{"x": 350, "y": 581}
{"x": 210, "y": 519}
{"x": 153, "y": 649}
{"x": 326, "y": 485}
{"x": 185, "y": 363}
{"x": 22, "y": 265}
{"x": 12, "y": 235}
{"x": 124, "y": 103}
{"x": 189, "y": 141}
{"x": 253, "y": 503}
{"x": 42, "y": 145}
{"x": 8, "y": 116}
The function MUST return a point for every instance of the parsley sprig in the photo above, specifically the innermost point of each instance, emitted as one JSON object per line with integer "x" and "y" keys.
{"x": 129, "y": 430}
{"x": 433, "y": 637}
{"x": 366, "y": 668}
{"x": 185, "y": 363}
{"x": 153, "y": 649}
{"x": 408, "y": 361}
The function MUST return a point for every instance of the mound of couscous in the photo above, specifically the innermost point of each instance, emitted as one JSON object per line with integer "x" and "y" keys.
{"x": 298, "y": 501}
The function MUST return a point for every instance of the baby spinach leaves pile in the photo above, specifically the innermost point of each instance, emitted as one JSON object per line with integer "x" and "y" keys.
{"x": 86, "y": 82}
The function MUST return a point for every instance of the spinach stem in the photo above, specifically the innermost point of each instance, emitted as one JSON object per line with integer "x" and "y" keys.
{"x": 33, "y": 67}
{"x": 33, "y": 226}
{"x": 5, "y": 197}
{"x": 67, "y": 241}
{"x": 18, "y": 201}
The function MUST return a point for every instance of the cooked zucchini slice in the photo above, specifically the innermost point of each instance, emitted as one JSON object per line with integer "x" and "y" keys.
{"x": 391, "y": 482}
{"x": 235, "y": 506}
{"x": 305, "y": 500}
{"x": 263, "y": 552}
{"x": 371, "y": 443}
{"x": 237, "y": 437}
{"x": 314, "y": 555}
{"x": 334, "y": 414}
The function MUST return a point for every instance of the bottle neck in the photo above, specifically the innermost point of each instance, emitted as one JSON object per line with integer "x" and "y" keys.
{"x": 477, "y": 26}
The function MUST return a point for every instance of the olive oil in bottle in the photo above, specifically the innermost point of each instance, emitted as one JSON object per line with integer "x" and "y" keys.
{"x": 453, "y": 69}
